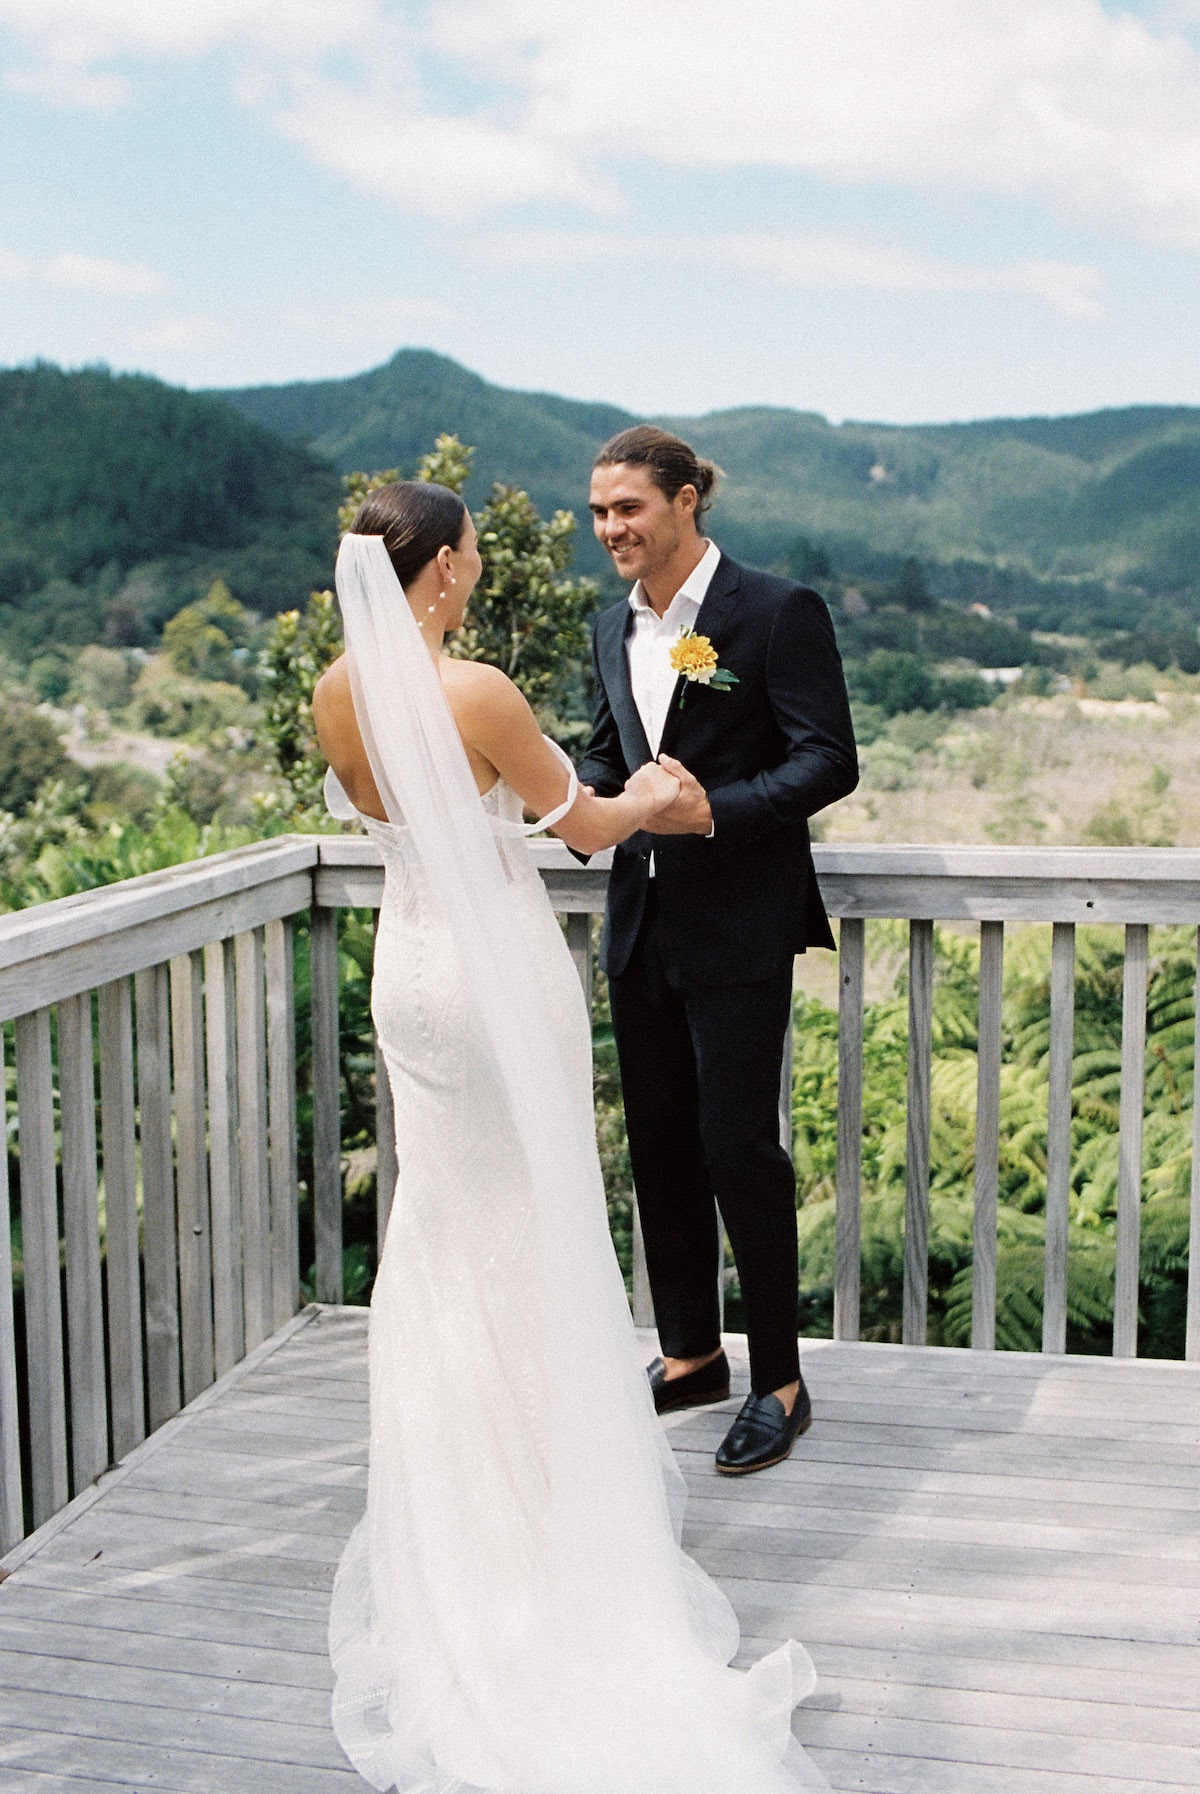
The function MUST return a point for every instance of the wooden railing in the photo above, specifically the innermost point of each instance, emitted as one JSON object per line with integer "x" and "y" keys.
{"x": 161, "y": 1246}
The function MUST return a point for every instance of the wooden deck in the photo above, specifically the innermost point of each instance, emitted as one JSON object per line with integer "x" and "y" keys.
{"x": 995, "y": 1561}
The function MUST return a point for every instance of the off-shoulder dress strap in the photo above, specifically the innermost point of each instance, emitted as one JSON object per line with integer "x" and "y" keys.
{"x": 560, "y": 810}
{"x": 336, "y": 800}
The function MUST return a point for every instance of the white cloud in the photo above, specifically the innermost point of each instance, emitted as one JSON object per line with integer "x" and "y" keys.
{"x": 362, "y": 318}
{"x": 182, "y": 335}
{"x": 85, "y": 31}
{"x": 1092, "y": 110}
{"x": 823, "y": 262}
{"x": 443, "y": 166}
{"x": 96, "y": 274}
{"x": 1088, "y": 108}
{"x": 91, "y": 273}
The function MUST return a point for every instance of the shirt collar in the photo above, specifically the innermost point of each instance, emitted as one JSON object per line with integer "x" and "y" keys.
{"x": 694, "y": 587}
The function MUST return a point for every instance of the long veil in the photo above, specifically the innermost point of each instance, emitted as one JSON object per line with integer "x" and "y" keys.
{"x": 616, "y": 1681}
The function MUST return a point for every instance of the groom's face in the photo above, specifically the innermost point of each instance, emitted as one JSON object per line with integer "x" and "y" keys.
{"x": 635, "y": 521}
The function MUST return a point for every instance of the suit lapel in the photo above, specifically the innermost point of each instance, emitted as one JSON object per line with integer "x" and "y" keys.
{"x": 614, "y": 667}
{"x": 710, "y": 620}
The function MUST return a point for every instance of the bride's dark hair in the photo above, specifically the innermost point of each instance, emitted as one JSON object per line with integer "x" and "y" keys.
{"x": 415, "y": 519}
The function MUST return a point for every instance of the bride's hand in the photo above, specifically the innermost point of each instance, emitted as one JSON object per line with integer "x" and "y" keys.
{"x": 652, "y": 785}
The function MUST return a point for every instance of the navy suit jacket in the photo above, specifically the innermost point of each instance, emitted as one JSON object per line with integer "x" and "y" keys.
{"x": 770, "y": 751}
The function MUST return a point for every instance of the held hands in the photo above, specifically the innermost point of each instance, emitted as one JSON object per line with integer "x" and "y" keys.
{"x": 655, "y": 789}
{"x": 689, "y": 813}
{"x": 676, "y": 803}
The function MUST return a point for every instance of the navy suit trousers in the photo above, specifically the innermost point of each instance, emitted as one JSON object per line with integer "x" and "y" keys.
{"x": 700, "y": 1070}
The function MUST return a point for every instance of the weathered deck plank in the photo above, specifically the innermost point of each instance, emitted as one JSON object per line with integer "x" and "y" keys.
{"x": 995, "y": 1563}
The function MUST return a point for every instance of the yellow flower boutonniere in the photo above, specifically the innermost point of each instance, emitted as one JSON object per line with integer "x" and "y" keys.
{"x": 695, "y": 658}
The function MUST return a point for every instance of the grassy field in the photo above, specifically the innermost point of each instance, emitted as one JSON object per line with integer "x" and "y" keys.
{"x": 1055, "y": 771}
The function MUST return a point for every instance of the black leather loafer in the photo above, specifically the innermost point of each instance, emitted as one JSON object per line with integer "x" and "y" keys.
{"x": 695, "y": 1390}
{"x": 763, "y": 1434}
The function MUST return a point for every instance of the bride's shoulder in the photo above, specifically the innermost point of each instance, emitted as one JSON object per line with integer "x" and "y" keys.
{"x": 332, "y": 702}
{"x": 474, "y": 685}
{"x": 492, "y": 715}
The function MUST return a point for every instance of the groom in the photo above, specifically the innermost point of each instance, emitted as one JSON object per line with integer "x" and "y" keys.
{"x": 705, "y": 915}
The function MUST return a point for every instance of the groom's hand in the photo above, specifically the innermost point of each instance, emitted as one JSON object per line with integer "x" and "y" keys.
{"x": 689, "y": 813}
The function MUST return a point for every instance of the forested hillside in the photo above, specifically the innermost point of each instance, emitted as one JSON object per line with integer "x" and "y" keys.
{"x": 389, "y": 416}
{"x": 122, "y": 499}
{"x": 1077, "y": 523}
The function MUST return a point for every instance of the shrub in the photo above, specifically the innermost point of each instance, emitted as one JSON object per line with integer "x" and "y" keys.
{"x": 202, "y": 640}
{"x": 169, "y": 704}
{"x": 30, "y": 754}
{"x": 103, "y": 677}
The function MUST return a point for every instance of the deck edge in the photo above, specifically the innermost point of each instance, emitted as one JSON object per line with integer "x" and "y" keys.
{"x": 116, "y": 1473}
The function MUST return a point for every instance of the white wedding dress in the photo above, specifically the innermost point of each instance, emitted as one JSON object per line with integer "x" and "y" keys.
{"x": 514, "y": 1614}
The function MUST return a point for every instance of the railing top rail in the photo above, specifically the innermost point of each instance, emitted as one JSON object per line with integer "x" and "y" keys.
{"x": 1013, "y": 884}
{"x": 1158, "y": 885}
{"x": 1051, "y": 864}
{"x": 69, "y": 921}
{"x": 60, "y": 949}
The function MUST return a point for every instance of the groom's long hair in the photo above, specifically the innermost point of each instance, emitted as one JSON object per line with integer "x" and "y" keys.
{"x": 670, "y": 461}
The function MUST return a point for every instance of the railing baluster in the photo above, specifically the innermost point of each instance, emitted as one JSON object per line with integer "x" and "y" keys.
{"x": 126, "y": 1387}
{"x": 916, "y": 1186}
{"x": 12, "y": 1518}
{"x": 225, "y": 1198}
{"x": 158, "y": 1193}
{"x": 579, "y": 940}
{"x": 39, "y": 1233}
{"x": 252, "y": 1136}
{"x": 327, "y": 1127}
{"x": 987, "y": 1136}
{"x": 1129, "y": 1174}
{"x": 191, "y": 1174}
{"x": 281, "y": 1094}
{"x": 643, "y": 1301}
{"x": 1058, "y": 1136}
{"x": 848, "y": 1243}
{"x": 1191, "y": 1347}
{"x": 81, "y": 1229}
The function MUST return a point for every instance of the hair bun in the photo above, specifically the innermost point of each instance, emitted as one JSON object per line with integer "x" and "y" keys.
{"x": 707, "y": 475}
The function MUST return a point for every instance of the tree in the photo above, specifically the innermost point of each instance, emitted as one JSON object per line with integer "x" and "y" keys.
{"x": 202, "y": 639}
{"x": 103, "y": 677}
{"x": 910, "y": 589}
{"x": 808, "y": 562}
{"x": 30, "y": 755}
{"x": 299, "y": 648}
{"x": 524, "y": 617}
{"x": 895, "y": 682}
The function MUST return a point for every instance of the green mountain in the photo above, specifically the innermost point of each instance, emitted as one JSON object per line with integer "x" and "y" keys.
{"x": 1112, "y": 497}
{"x": 121, "y": 498}
{"x": 390, "y": 417}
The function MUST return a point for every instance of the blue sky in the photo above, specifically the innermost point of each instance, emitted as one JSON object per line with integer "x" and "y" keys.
{"x": 897, "y": 209}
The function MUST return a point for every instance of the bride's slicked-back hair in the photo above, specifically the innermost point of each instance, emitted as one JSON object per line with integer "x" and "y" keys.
{"x": 415, "y": 519}
{"x": 670, "y": 462}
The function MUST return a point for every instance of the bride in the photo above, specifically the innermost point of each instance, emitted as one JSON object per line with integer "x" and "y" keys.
{"x": 514, "y": 1614}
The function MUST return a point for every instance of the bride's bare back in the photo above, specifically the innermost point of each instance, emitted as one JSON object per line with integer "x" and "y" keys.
{"x": 502, "y": 741}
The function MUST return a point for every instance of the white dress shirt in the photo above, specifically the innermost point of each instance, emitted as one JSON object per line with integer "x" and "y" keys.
{"x": 651, "y": 639}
